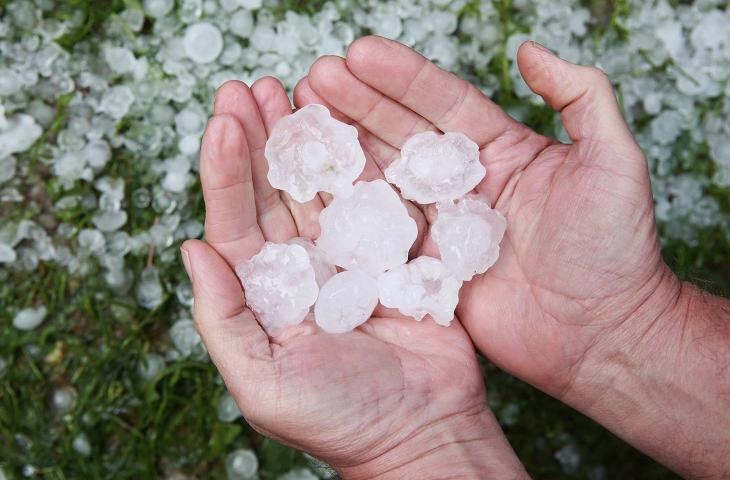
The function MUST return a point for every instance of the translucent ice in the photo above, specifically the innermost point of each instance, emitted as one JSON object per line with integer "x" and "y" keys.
{"x": 421, "y": 287}
{"x": 323, "y": 268}
{"x": 242, "y": 464}
{"x": 309, "y": 151}
{"x": 203, "y": 42}
{"x": 346, "y": 301}
{"x": 435, "y": 168}
{"x": 467, "y": 234}
{"x": 227, "y": 409}
{"x": 279, "y": 285}
{"x": 17, "y": 133}
{"x": 29, "y": 318}
{"x": 370, "y": 230}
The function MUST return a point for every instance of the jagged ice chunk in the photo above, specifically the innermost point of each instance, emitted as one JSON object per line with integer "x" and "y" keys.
{"x": 370, "y": 230}
{"x": 436, "y": 168}
{"x": 279, "y": 285}
{"x": 309, "y": 152}
{"x": 346, "y": 301}
{"x": 467, "y": 233}
{"x": 423, "y": 286}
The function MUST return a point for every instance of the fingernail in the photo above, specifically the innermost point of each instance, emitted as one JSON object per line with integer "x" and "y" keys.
{"x": 186, "y": 262}
{"x": 542, "y": 47}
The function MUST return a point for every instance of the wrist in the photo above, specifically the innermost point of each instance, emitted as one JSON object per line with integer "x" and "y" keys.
{"x": 660, "y": 379}
{"x": 461, "y": 446}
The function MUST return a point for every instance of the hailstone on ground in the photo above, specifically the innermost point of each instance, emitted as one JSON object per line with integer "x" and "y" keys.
{"x": 309, "y": 152}
{"x": 423, "y": 286}
{"x": 279, "y": 284}
{"x": 346, "y": 301}
{"x": 370, "y": 230}
{"x": 436, "y": 168}
{"x": 467, "y": 233}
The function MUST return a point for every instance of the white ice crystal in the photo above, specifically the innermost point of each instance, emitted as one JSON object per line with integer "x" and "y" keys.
{"x": 467, "y": 233}
{"x": 346, "y": 301}
{"x": 423, "y": 286}
{"x": 279, "y": 284}
{"x": 17, "y": 133}
{"x": 323, "y": 268}
{"x": 436, "y": 168}
{"x": 310, "y": 152}
{"x": 203, "y": 42}
{"x": 370, "y": 230}
{"x": 29, "y": 318}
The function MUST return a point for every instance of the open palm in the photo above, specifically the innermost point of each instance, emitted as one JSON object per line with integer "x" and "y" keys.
{"x": 580, "y": 255}
{"x": 348, "y": 398}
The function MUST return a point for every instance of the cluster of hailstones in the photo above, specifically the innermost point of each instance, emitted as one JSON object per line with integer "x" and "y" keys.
{"x": 366, "y": 229}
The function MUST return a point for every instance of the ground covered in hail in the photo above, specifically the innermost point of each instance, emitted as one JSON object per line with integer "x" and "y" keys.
{"x": 102, "y": 106}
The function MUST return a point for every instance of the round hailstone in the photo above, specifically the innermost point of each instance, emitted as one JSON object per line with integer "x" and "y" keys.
{"x": 423, "y": 286}
{"x": 467, "y": 234}
{"x": 241, "y": 464}
{"x": 323, "y": 268}
{"x": 29, "y": 318}
{"x": 227, "y": 409}
{"x": 203, "y": 42}
{"x": 18, "y": 134}
{"x": 346, "y": 301}
{"x": 81, "y": 445}
{"x": 436, "y": 168}
{"x": 279, "y": 285}
{"x": 158, "y": 8}
{"x": 241, "y": 23}
{"x": 370, "y": 230}
{"x": 309, "y": 151}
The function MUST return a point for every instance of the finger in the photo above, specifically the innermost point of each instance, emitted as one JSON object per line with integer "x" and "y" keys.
{"x": 231, "y": 226}
{"x": 274, "y": 104}
{"x": 330, "y": 78}
{"x": 304, "y": 95}
{"x": 235, "y": 98}
{"x": 236, "y": 342}
{"x": 447, "y": 101}
{"x": 583, "y": 95}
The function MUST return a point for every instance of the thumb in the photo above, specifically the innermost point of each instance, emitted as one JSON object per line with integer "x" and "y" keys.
{"x": 583, "y": 95}
{"x": 236, "y": 342}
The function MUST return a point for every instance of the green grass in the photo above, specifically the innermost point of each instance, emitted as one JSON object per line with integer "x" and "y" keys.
{"x": 94, "y": 341}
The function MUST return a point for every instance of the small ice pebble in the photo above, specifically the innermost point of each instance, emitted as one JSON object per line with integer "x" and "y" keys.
{"x": 346, "y": 301}
{"x": 279, "y": 284}
{"x": 467, "y": 233}
{"x": 369, "y": 230}
{"x": 436, "y": 168}
{"x": 309, "y": 152}
{"x": 421, "y": 287}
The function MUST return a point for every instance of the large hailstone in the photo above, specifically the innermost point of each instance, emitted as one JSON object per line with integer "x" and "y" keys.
{"x": 467, "y": 234}
{"x": 370, "y": 230}
{"x": 309, "y": 152}
{"x": 346, "y": 301}
{"x": 279, "y": 284}
{"x": 423, "y": 286}
{"x": 436, "y": 168}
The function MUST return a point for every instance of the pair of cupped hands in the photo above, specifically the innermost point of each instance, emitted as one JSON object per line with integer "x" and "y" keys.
{"x": 579, "y": 274}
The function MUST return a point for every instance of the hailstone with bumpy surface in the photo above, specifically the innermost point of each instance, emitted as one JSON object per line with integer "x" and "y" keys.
{"x": 422, "y": 286}
{"x": 467, "y": 233}
{"x": 346, "y": 301}
{"x": 280, "y": 286}
{"x": 436, "y": 168}
{"x": 370, "y": 230}
{"x": 309, "y": 152}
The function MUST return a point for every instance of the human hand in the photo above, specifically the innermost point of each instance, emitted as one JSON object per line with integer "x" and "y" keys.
{"x": 393, "y": 399}
{"x": 580, "y": 303}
